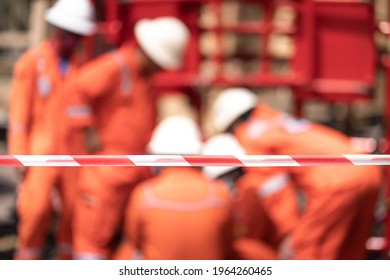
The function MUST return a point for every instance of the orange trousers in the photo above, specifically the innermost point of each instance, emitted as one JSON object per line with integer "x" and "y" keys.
{"x": 101, "y": 200}
{"x": 34, "y": 206}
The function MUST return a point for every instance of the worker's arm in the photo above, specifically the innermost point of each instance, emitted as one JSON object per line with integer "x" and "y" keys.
{"x": 20, "y": 105}
{"x": 94, "y": 82}
{"x": 133, "y": 222}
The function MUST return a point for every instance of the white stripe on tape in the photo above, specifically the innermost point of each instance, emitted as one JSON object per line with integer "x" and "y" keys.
{"x": 158, "y": 160}
{"x": 368, "y": 159}
{"x": 47, "y": 160}
{"x": 274, "y": 160}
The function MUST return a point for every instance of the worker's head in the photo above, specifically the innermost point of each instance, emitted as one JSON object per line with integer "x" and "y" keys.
{"x": 230, "y": 106}
{"x": 176, "y": 135}
{"x": 220, "y": 145}
{"x": 163, "y": 40}
{"x": 72, "y": 19}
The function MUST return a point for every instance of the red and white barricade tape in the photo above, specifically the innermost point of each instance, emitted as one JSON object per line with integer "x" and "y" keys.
{"x": 184, "y": 160}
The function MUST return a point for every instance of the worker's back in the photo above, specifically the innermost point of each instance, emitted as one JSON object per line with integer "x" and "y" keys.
{"x": 181, "y": 214}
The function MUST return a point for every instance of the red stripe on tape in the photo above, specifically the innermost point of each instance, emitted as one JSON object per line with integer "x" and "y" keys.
{"x": 373, "y": 159}
{"x": 213, "y": 161}
{"x": 7, "y": 160}
{"x": 322, "y": 160}
{"x": 170, "y": 160}
{"x": 104, "y": 161}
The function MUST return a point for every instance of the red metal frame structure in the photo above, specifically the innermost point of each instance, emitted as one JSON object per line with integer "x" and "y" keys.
{"x": 324, "y": 64}
{"x": 119, "y": 22}
{"x": 330, "y": 37}
{"x": 385, "y": 28}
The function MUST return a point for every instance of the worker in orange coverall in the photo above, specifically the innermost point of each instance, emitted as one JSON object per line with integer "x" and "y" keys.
{"x": 257, "y": 236}
{"x": 37, "y": 127}
{"x": 112, "y": 102}
{"x": 340, "y": 200}
{"x": 180, "y": 213}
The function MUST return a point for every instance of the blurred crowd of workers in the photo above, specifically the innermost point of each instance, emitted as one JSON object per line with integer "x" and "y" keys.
{"x": 60, "y": 105}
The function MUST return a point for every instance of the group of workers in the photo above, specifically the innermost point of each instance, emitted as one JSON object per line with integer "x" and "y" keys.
{"x": 63, "y": 105}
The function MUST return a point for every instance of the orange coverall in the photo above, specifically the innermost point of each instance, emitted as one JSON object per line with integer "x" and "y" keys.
{"x": 180, "y": 214}
{"x": 340, "y": 199}
{"x": 37, "y": 127}
{"x": 259, "y": 232}
{"x": 111, "y": 95}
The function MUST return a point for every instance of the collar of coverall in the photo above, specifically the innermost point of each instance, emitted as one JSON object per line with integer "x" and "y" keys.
{"x": 47, "y": 49}
{"x": 75, "y": 55}
{"x": 261, "y": 111}
{"x": 181, "y": 171}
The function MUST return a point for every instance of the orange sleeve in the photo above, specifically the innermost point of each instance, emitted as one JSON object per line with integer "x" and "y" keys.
{"x": 268, "y": 205}
{"x": 21, "y": 104}
{"x": 95, "y": 80}
{"x": 282, "y": 208}
{"x": 292, "y": 136}
{"x": 133, "y": 223}
{"x": 253, "y": 217}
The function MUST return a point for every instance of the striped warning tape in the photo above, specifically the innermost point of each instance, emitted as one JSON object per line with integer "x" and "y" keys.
{"x": 184, "y": 160}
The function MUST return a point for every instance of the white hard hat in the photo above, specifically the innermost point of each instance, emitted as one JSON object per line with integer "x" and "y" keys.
{"x": 222, "y": 144}
{"x": 229, "y": 105}
{"x": 164, "y": 40}
{"x": 77, "y": 16}
{"x": 176, "y": 135}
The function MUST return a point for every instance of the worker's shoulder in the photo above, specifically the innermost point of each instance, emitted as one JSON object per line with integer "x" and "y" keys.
{"x": 28, "y": 60}
{"x": 138, "y": 193}
{"x": 264, "y": 111}
{"x": 98, "y": 72}
{"x": 273, "y": 120}
{"x": 102, "y": 63}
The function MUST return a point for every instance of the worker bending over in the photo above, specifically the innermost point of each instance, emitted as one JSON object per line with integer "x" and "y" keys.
{"x": 257, "y": 235}
{"x": 340, "y": 200}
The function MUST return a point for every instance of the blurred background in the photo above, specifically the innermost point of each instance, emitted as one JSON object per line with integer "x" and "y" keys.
{"x": 326, "y": 60}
